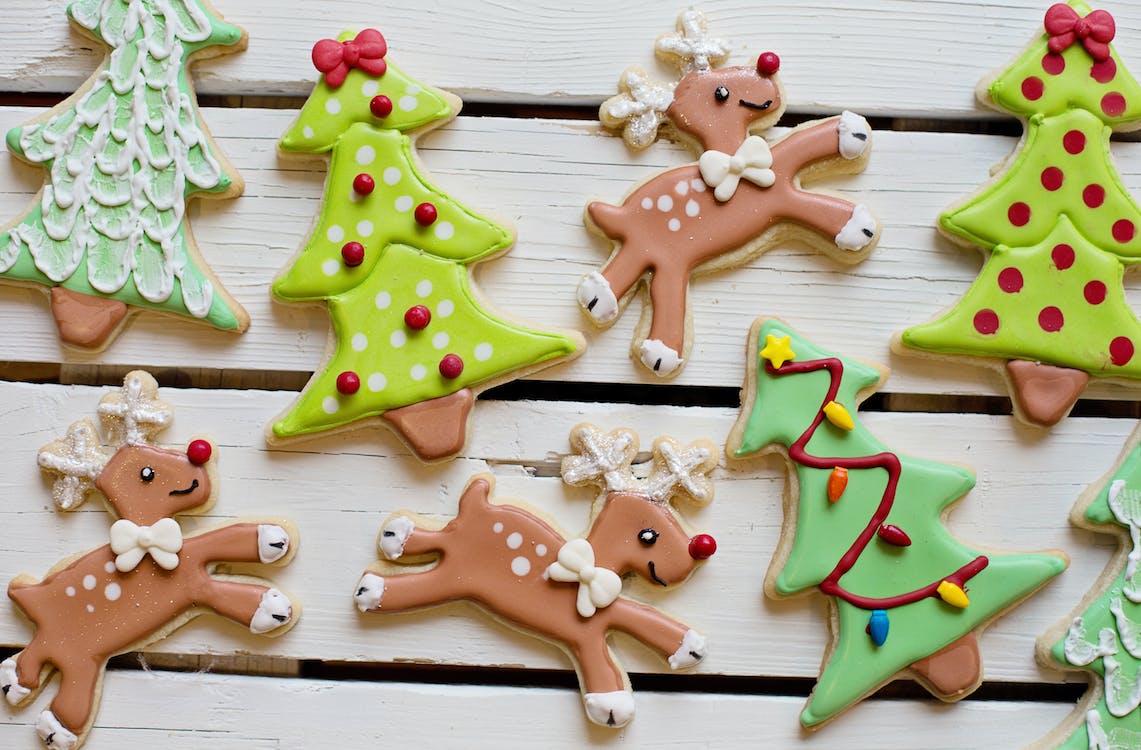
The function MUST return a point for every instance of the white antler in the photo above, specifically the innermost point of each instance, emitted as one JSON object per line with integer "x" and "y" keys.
{"x": 676, "y": 469}
{"x": 601, "y": 457}
{"x": 76, "y": 460}
{"x": 690, "y": 47}
{"x": 134, "y": 414}
{"x": 639, "y": 109}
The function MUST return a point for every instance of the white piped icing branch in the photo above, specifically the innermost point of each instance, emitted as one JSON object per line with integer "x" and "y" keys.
{"x": 691, "y": 47}
{"x": 135, "y": 413}
{"x": 76, "y": 459}
{"x": 601, "y": 458}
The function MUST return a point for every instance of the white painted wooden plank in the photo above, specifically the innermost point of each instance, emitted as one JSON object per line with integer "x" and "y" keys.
{"x": 540, "y": 174}
{"x": 912, "y": 57}
{"x": 176, "y": 711}
{"x": 339, "y": 491}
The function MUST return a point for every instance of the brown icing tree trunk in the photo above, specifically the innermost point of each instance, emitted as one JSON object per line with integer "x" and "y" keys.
{"x": 1044, "y": 393}
{"x": 952, "y": 671}
{"x": 85, "y": 320}
{"x": 436, "y": 428}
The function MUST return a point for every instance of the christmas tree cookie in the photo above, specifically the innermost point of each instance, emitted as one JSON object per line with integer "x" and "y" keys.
{"x": 391, "y": 257}
{"x": 1104, "y": 634}
{"x": 865, "y": 528}
{"x": 1048, "y": 307}
{"x": 109, "y": 233}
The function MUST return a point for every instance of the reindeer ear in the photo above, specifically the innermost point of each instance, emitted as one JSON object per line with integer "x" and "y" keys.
{"x": 677, "y": 470}
{"x": 477, "y": 491}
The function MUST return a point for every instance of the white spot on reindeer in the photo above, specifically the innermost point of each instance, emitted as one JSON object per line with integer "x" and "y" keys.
{"x": 647, "y": 203}
{"x": 520, "y": 566}
{"x": 665, "y": 203}
{"x": 70, "y": 591}
{"x": 497, "y": 527}
{"x": 113, "y": 591}
{"x": 90, "y": 608}
{"x": 109, "y": 566}
{"x": 682, "y": 187}
{"x": 89, "y": 582}
{"x": 692, "y": 208}
{"x": 515, "y": 540}
{"x": 674, "y": 225}
{"x": 697, "y": 185}
{"x": 541, "y": 550}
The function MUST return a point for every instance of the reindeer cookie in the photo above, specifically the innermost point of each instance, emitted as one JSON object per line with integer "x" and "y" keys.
{"x": 149, "y": 579}
{"x": 742, "y": 197}
{"x": 513, "y": 563}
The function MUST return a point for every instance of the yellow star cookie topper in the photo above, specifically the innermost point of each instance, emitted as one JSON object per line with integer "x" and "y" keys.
{"x": 778, "y": 350}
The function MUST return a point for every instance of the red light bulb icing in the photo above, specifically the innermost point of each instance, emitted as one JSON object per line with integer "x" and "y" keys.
{"x": 702, "y": 547}
{"x": 768, "y": 63}
{"x": 199, "y": 452}
{"x": 451, "y": 366}
{"x": 417, "y": 317}
{"x": 426, "y": 214}
{"x": 353, "y": 254}
{"x": 348, "y": 383}
{"x": 363, "y": 184}
{"x": 381, "y": 106}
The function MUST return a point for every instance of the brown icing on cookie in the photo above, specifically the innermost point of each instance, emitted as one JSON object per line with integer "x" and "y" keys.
{"x": 85, "y": 320}
{"x": 436, "y": 428}
{"x": 952, "y": 671}
{"x": 1045, "y": 393}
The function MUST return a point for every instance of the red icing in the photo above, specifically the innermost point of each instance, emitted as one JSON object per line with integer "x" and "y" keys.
{"x": 1019, "y": 214}
{"x": 348, "y": 382}
{"x": 768, "y": 63}
{"x": 1113, "y": 104}
{"x": 1063, "y": 256}
{"x": 1032, "y": 88}
{"x": 890, "y": 463}
{"x": 986, "y": 322}
{"x": 417, "y": 317}
{"x": 335, "y": 59}
{"x": 363, "y": 184}
{"x": 1010, "y": 280}
{"x": 1123, "y": 230}
{"x": 198, "y": 452}
{"x": 381, "y": 106}
{"x": 426, "y": 214}
{"x": 1065, "y": 27}
{"x": 894, "y": 535}
{"x": 1053, "y": 64}
{"x": 1095, "y": 292}
{"x": 1052, "y": 178}
{"x": 1104, "y": 71}
{"x": 1074, "y": 141}
{"x": 1093, "y": 195}
{"x": 1051, "y": 319}
{"x": 1121, "y": 351}
{"x": 353, "y": 254}
{"x": 451, "y": 366}
{"x": 702, "y": 547}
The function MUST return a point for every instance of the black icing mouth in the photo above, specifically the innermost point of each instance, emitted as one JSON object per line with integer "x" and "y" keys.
{"x": 193, "y": 486}
{"x": 753, "y": 105}
{"x": 654, "y": 575}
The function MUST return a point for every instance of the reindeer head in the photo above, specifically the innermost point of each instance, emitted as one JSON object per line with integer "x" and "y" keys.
{"x": 637, "y": 530}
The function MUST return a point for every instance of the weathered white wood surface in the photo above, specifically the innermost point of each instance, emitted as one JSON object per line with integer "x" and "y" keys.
{"x": 892, "y": 57}
{"x": 339, "y": 491}
{"x": 183, "y": 711}
{"x": 540, "y": 174}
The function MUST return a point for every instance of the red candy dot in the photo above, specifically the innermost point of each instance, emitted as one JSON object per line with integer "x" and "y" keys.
{"x": 1063, "y": 256}
{"x": 363, "y": 184}
{"x": 1123, "y": 230}
{"x": 1104, "y": 71}
{"x": 768, "y": 63}
{"x": 348, "y": 383}
{"x": 1074, "y": 141}
{"x": 1019, "y": 214}
{"x": 353, "y": 254}
{"x": 986, "y": 321}
{"x": 1010, "y": 280}
{"x": 1095, "y": 292}
{"x": 425, "y": 214}
{"x": 198, "y": 452}
{"x": 417, "y": 317}
{"x": 1052, "y": 178}
{"x": 1093, "y": 195}
{"x": 1113, "y": 104}
{"x": 1032, "y": 88}
{"x": 1050, "y": 319}
{"x": 381, "y": 106}
{"x": 451, "y": 366}
{"x": 702, "y": 547}
{"x": 1053, "y": 64}
{"x": 1120, "y": 351}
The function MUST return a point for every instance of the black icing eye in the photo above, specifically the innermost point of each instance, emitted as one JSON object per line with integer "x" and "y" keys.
{"x": 647, "y": 536}
{"x": 147, "y": 474}
{"x": 721, "y": 93}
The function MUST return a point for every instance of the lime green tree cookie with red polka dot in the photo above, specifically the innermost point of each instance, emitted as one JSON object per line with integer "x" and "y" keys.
{"x": 1057, "y": 222}
{"x": 390, "y": 256}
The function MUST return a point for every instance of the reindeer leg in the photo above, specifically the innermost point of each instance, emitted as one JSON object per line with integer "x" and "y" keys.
{"x": 258, "y": 607}
{"x": 850, "y": 226}
{"x": 239, "y": 542}
{"x": 661, "y": 351}
{"x": 71, "y": 710}
{"x": 408, "y": 591}
{"x": 682, "y": 646}
{"x": 599, "y": 292}
{"x": 29, "y": 663}
{"x": 605, "y": 696}
{"x": 846, "y": 136}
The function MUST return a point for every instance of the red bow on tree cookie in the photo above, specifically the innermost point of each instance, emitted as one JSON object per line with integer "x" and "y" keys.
{"x": 366, "y": 52}
{"x": 1065, "y": 27}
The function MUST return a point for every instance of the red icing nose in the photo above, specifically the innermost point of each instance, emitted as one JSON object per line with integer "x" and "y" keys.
{"x": 768, "y": 63}
{"x": 702, "y": 547}
{"x": 199, "y": 452}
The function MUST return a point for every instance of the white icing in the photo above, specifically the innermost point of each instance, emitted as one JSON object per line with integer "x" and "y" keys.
{"x": 77, "y": 459}
{"x": 665, "y": 203}
{"x": 112, "y": 592}
{"x": 647, "y": 203}
{"x": 403, "y": 203}
{"x": 398, "y": 338}
{"x": 418, "y": 372}
{"x": 854, "y": 134}
{"x": 274, "y": 611}
{"x": 383, "y": 300}
{"x": 601, "y": 457}
{"x": 70, "y": 591}
{"x": 520, "y": 566}
{"x": 445, "y": 308}
{"x": 333, "y": 105}
{"x": 370, "y": 88}
{"x": 109, "y": 566}
{"x": 330, "y": 405}
{"x": 90, "y": 607}
{"x": 1126, "y": 507}
{"x": 445, "y": 230}
{"x": 541, "y": 550}
{"x": 673, "y": 225}
{"x": 89, "y": 582}
{"x": 359, "y": 342}
{"x": 413, "y": 89}
{"x": 134, "y": 414}
{"x": 391, "y": 176}
{"x": 424, "y": 288}
{"x": 597, "y": 298}
{"x": 131, "y": 543}
{"x": 335, "y": 233}
{"x": 440, "y": 340}
{"x": 692, "y": 208}
{"x": 691, "y": 44}
{"x": 307, "y": 131}
{"x": 611, "y": 710}
{"x": 640, "y": 107}
{"x": 497, "y": 527}
{"x": 597, "y": 587}
{"x": 364, "y": 228}
{"x": 858, "y": 231}
{"x": 514, "y": 540}
{"x": 409, "y": 103}
{"x": 330, "y": 267}
{"x": 273, "y": 542}
{"x": 659, "y": 357}
{"x": 685, "y": 469}
{"x": 723, "y": 173}
{"x": 483, "y": 351}
{"x": 377, "y": 382}
{"x": 697, "y": 185}
{"x": 394, "y": 536}
{"x": 681, "y": 188}
{"x": 690, "y": 652}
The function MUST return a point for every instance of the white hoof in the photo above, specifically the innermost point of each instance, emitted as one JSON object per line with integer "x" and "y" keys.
{"x": 273, "y": 543}
{"x": 614, "y": 709}
{"x": 53, "y": 734}
{"x": 659, "y": 357}
{"x": 859, "y": 230}
{"x": 854, "y": 135}
{"x": 14, "y": 692}
{"x": 395, "y": 536}
{"x": 690, "y": 652}
{"x": 273, "y": 612}
{"x": 369, "y": 592}
{"x": 597, "y": 298}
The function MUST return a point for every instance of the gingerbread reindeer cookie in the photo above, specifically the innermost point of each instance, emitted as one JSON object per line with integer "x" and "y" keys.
{"x": 149, "y": 579}
{"x": 513, "y": 563}
{"x": 742, "y": 197}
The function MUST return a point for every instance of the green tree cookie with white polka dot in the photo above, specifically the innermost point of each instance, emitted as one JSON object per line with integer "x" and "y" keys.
{"x": 390, "y": 256}
{"x": 1058, "y": 224}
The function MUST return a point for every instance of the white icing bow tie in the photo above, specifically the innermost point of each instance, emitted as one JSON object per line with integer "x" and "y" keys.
{"x": 723, "y": 172}
{"x": 131, "y": 543}
{"x": 597, "y": 587}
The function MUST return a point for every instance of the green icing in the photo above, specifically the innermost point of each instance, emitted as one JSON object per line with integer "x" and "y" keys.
{"x": 1088, "y": 330}
{"x": 783, "y": 408}
{"x": 399, "y": 366}
{"x": 1106, "y": 638}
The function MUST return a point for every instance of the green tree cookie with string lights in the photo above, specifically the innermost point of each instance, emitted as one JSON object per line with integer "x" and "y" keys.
{"x": 1104, "y": 634}
{"x": 391, "y": 256}
{"x": 1057, "y": 223}
{"x": 108, "y": 234}
{"x": 865, "y": 528}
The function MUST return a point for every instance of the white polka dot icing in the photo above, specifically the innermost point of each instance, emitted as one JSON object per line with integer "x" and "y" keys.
{"x": 330, "y": 404}
{"x": 365, "y": 228}
{"x": 497, "y": 527}
{"x": 665, "y": 203}
{"x": 520, "y": 566}
{"x": 370, "y": 88}
{"x": 440, "y": 340}
{"x": 307, "y": 131}
{"x": 391, "y": 176}
{"x": 89, "y": 582}
{"x": 366, "y": 155}
{"x": 398, "y": 339}
{"x": 692, "y": 208}
{"x": 418, "y": 372}
{"x": 541, "y": 550}
{"x": 674, "y": 225}
{"x": 359, "y": 342}
{"x": 681, "y": 188}
{"x": 647, "y": 203}
{"x": 444, "y": 230}
{"x": 424, "y": 288}
{"x": 112, "y": 592}
{"x": 409, "y": 103}
{"x": 445, "y": 308}
{"x": 383, "y": 300}
{"x": 333, "y": 106}
{"x": 514, "y": 540}
{"x": 335, "y": 233}
{"x": 330, "y": 267}
{"x": 377, "y": 382}
{"x": 403, "y": 204}
{"x": 483, "y": 351}
{"x": 109, "y": 566}
{"x": 70, "y": 591}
